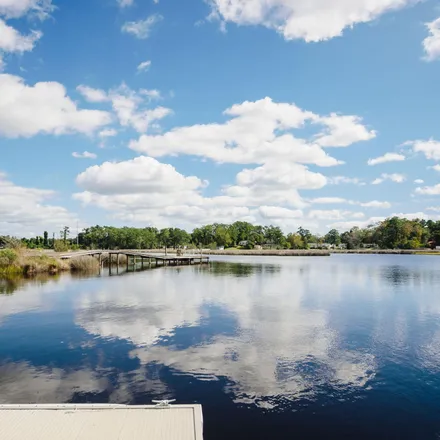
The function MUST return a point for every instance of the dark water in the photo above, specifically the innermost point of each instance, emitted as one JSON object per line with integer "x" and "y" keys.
{"x": 304, "y": 348}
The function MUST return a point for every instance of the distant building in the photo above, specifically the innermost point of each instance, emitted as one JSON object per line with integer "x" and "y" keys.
{"x": 243, "y": 243}
{"x": 220, "y": 248}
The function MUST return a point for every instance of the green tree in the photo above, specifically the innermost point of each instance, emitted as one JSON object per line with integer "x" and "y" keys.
{"x": 64, "y": 233}
{"x": 305, "y": 235}
{"x": 333, "y": 237}
{"x": 45, "y": 239}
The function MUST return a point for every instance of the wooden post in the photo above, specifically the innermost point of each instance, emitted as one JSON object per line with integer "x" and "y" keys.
{"x": 117, "y": 260}
{"x": 142, "y": 262}
{"x": 127, "y": 262}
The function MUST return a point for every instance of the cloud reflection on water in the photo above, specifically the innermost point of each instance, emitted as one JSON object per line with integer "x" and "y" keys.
{"x": 280, "y": 347}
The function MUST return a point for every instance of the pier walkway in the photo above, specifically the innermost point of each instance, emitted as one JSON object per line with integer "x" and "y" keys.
{"x": 101, "y": 422}
{"x": 144, "y": 257}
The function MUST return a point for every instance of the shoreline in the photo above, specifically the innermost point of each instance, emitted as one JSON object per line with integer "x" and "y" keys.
{"x": 30, "y": 263}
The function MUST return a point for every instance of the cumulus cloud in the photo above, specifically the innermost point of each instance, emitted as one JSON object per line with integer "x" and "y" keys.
{"x": 12, "y": 41}
{"x": 309, "y": 20}
{"x": 43, "y": 108}
{"x": 430, "y": 148}
{"x": 92, "y": 95}
{"x": 419, "y": 181}
{"x": 130, "y": 107}
{"x": 343, "y": 131}
{"x": 277, "y": 212}
{"x": 144, "y": 67}
{"x": 18, "y": 8}
{"x": 387, "y": 157}
{"x": 84, "y": 155}
{"x": 145, "y": 190}
{"x": 429, "y": 190}
{"x": 139, "y": 175}
{"x": 376, "y": 204}
{"x": 329, "y": 201}
{"x": 436, "y": 168}
{"x": 25, "y": 211}
{"x": 334, "y": 214}
{"x": 142, "y": 29}
{"x": 257, "y": 132}
{"x": 338, "y": 180}
{"x": 109, "y": 132}
{"x": 395, "y": 177}
{"x": 341, "y": 201}
{"x": 431, "y": 44}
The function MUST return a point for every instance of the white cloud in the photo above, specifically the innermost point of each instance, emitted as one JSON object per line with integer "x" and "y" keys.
{"x": 309, "y": 20}
{"x": 396, "y": 178}
{"x": 151, "y": 94}
{"x": 18, "y": 8}
{"x": 436, "y": 168}
{"x": 130, "y": 109}
{"x": 12, "y": 41}
{"x": 92, "y": 95}
{"x": 129, "y": 106}
{"x": 125, "y": 3}
{"x": 139, "y": 175}
{"x": 430, "y": 148}
{"x": 276, "y": 212}
{"x": 145, "y": 190}
{"x": 144, "y": 67}
{"x": 43, "y": 109}
{"x": 109, "y": 132}
{"x": 343, "y": 131}
{"x": 24, "y": 211}
{"x": 338, "y": 180}
{"x": 329, "y": 201}
{"x": 387, "y": 157}
{"x": 433, "y": 208}
{"x": 431, "y": 44}
{"x": 334, "y": 214}
{"x": 376, "y": 204}
{"x": 340, "y": 201}
{"x": 419, "y": 181}
{"x": 84, "y": 155}
{"x": 257, "y": 132}
{"x": 141, "y": 29}
{"x": 429, "y": 190}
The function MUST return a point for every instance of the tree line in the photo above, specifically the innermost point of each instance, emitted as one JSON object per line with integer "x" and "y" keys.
{"x": 392, "y": 233}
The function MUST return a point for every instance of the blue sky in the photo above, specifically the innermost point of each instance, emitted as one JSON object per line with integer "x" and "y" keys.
{"x": 172, "y": 113}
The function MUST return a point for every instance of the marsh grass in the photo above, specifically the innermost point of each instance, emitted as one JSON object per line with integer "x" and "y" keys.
{"x": 84, "y": 264}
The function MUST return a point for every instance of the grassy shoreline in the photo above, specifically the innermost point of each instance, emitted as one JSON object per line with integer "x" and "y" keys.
{"x": 30, "y": 263}
{"x": 20, "y": 262}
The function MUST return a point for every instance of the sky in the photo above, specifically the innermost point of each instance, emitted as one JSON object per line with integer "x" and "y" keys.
{"x": 314, "y": 113}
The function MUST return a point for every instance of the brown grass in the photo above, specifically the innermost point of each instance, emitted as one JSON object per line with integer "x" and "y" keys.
{"x": 84, "y": 264}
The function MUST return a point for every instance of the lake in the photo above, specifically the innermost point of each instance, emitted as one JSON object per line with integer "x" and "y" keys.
{"x": 346, "y": 346}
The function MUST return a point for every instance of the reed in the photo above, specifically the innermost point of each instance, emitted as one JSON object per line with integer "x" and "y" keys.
{"x": 84, "y": 264}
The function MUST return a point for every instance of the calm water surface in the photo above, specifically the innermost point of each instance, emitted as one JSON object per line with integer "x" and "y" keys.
{"x": 304, "y": 348}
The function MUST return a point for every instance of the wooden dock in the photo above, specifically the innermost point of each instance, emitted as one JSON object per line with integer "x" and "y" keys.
{"x": 144, "y": 259}
{"x": 101, "y": 422}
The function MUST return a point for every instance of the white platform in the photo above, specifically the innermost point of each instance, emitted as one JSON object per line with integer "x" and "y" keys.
{"x": 100, "y": 422}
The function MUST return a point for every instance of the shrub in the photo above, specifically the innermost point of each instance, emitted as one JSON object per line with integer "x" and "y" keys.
{"x": 8, "y": 257}
{"x": 84, "y": 264}
{"x": 60, "y": 246}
